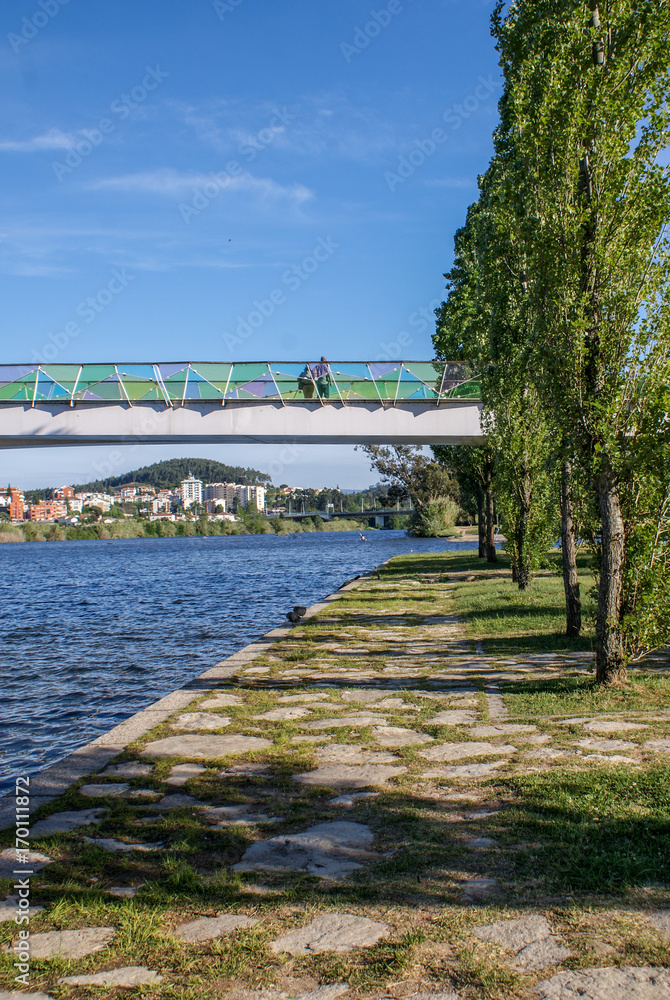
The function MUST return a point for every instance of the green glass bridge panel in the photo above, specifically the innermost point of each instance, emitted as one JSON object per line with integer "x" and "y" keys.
{"x": 172, "y": 383}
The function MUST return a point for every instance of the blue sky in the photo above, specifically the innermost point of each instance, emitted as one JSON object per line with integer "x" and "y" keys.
{"x": 195, "y": 153}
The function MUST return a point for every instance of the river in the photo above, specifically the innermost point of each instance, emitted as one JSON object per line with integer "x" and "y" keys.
{"x": 93, "y": 631}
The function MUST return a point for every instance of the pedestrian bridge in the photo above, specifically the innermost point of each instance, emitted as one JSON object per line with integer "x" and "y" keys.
{"x": 377, "y": 402}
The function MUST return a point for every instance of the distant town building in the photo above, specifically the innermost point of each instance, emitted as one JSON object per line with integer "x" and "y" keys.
{"x": 63, "y": 493}
{"x": 47, "y": 510}
{"x": 128, "y": 492}
{"x": 191, "y": 491}
{"x": 17, "y": 507}
{"x": 101, "y": 500}
{"x": 162, "y": 503}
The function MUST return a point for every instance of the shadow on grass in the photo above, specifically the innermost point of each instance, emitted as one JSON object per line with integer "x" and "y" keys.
{"x": 595, "y": 831}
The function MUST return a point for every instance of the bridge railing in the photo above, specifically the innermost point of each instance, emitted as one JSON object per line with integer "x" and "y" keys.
{"x": 386, "y": 383}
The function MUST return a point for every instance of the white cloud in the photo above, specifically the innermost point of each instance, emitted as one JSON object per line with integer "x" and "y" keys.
{"x": 53, "y": 139}
{"x": 171, "y": 183}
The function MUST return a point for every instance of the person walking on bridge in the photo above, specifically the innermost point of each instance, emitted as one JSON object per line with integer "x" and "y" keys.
{"x": 324, "y": 379}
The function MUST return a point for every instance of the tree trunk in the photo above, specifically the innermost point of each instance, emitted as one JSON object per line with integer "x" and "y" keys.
{"x": 481, "y": 522}
{"x": 610, "y": 660}
{"x": 523, "y": 567}
{"x": 491, "y": 556}
{"x": 573, "y": 603}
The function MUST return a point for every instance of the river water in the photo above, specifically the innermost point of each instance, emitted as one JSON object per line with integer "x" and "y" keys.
{"x": 93, "y": 631}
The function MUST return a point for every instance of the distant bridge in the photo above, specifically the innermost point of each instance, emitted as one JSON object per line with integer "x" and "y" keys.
{"x": 399, "y": 402}
{"x": 380, "y": 514}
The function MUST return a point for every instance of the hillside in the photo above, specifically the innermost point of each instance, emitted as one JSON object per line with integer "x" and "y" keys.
{"x": 168, "y": 475}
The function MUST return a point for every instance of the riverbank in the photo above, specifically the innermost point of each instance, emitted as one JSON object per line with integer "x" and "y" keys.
{"x": 135, "y": 528}
{"x": 379, "y": 801}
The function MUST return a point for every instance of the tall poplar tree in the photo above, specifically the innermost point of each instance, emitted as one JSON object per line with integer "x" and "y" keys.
{"x": 584, "y": 124}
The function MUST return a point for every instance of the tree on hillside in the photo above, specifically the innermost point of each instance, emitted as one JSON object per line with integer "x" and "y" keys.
{"x": 584, "y": 119}
{"x": 167, "y": 475}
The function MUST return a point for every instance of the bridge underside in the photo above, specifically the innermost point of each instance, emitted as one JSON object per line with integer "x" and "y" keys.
{"x": 418, "y": 423}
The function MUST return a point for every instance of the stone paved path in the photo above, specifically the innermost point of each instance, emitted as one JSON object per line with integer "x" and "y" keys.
{"x": 398, "y": 719}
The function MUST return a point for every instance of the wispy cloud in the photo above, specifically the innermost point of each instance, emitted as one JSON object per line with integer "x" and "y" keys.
{"x": 173, "y": 184}
{"x": 53, "y": 139}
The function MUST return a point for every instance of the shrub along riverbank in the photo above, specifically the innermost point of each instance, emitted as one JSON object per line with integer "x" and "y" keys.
{"x": 136, "y": 528}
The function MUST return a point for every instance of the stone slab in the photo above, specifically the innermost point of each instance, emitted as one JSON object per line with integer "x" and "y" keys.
{"x": 177, "y": 801}
{"x": 181, "y": 773}
{"x": 130, "y": 769}
{"x": 352, "y": 721}
{"x": 110, "y": 844}
{"x": 303, "y": 738}
{"x": 349, "y": 775}
{"x": 199, "y": 721}
{"x": 24, "y": 996}
{"x": 208, "y": 928}
{"x": 613, "y": 726}
{"x": 547, "y": 753}
{"x": 395, "y": 736}
{"x": 283, "y": 714}
{"x": 530, "y": 938}
{"x": 465, "y": 770}
{"x": 626, "y": 983}
{"x": 294, "y": 699}
{"x": 349, "y": 801}
{"x": 452, "y": 717}
{"x": 9, "y": 864}
{"x": 479, "y": 888}
{"x": 348, "y": 753}
{"x": 9, "y": 908}
{"x": 460, "y": 751}
{"x": 337, "y": 932}
{"x": 70, "y": 944}
{"x": 593, "y": 744}
{"x": 204, "y": 747}
{"x": 502, "y": 729}
{"x": 613, "y": 758}
{"x": 63, "y": 822}
{"x": 328, "y": 850}
{"x": 660, "y": 921}
{"x": 123, "y": 891}
{"x": 100, "y": 791}
{"x": 237, "y": 816}
{"x": 132, "y": 975}
{"x": 661, "y": 745}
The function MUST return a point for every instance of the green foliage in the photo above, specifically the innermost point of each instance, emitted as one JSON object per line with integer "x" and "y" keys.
{"x": 436, "y": 519}
{"x": 430, "y": 485}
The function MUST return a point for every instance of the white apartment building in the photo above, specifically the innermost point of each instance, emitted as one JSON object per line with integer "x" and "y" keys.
{"x": 102, "y": 500}
{"x": 228, "y": 493}
{"x": 250, "y": 495}
{"x": 191, "y": 491}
